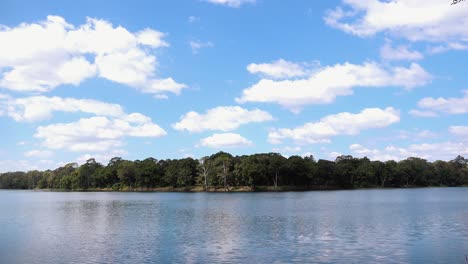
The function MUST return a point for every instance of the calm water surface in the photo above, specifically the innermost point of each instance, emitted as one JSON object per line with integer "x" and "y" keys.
{"x": 364, "y": 226}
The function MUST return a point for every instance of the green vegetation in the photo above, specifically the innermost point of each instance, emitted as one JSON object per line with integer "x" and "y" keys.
{"x": 258, "y": 172}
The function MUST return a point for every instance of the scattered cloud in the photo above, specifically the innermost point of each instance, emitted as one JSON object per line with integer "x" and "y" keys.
{"x": 186, "y": 153}
{"x": 425, "y": 134}
{"x": 38, "y": 108}
{"x": 97, "y": 134}
{"x": 231, "y": 3}
{"x": 287, "y": 150}
{"x": 333, "y": 155}
{"x": 448, "y": 46}
{"x": 324, "y": 85}
{"x": 39, "y": 57}
{"x": 416, "y": 134}
{"x": 432, "y": 106}
{"x": 43, "y": 154}
{"x": 338, "y": 124}
{"x": 223, "y": 118}
{"x": 278, "y": 69}
{"x": 102, "y": 158}
{"x": 22, "y": 143}
{"x": 417, "y": 20}
{"x": 461, "y": 131}
{"x": 25, "y": 165}
{"x": 225, "y": 140}
{"x": 196, "y": 45}
{"x": 430, "y": 151}
{"x": 401, "y": 52}
{"x": 193, "y": 19}
{"x": 422, "y": 113}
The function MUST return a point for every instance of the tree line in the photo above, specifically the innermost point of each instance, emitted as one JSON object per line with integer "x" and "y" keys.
{"x": 222, "y": 171}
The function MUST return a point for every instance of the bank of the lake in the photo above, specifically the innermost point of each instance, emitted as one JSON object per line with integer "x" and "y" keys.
{"x": 235, "y": 189}
{"x": 210, "y": 189}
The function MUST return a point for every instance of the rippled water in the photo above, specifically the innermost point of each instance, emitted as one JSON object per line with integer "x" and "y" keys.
{"x": 361, "y": 226}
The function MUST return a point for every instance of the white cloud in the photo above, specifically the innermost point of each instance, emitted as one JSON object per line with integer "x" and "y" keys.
{"x": 461, "y": 131}
{"x": 277, "y": 69}
{"x": 225, "y": 140}
{"x": 338, "y": 124}
{"x": 193, "y": 19}
{"x": 431, "y": 106}
{"x": 37, "y": 108}
{"x": 430, "y": 151}
{"x": 97, "y": 134}
{"x": 197, "y": 45}
{"x": 39, "y": 154}
{"x": 416, "y": 134}
{"x": 416, "y": 20}
{"x": 448, "y": 46}
{"x": 422, "y": 113}
{"x": 389, "y": 153}
{"x": 223, "y": 118}
{"x": 231, "y": 3}
{"x": 102, "y": 158}
{"x": 324, "y": 85}
{"x": 164, "y": 85}
{"x": 334, "y": 154}
{"x": 287, "y": 149}
{"x": 152, "y": 38}
{"x": 37, "y": 76}
{"x": 38, "y": 57}
{"x": 25, "y": 165}
{"x": 400, "y": 52}
{"x": 128, "y": 67}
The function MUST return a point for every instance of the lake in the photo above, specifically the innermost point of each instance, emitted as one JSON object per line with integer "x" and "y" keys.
{"x": 427, "y": 225}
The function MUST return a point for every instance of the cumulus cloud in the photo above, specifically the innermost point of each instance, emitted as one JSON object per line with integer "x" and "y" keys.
{"x": 430, "y": 151}
{"x": 223, "y": 118}
{"x": 231, "y": 3}
{"x": 225, "y": 140}
{"x": 432, "y": 106}
{"x": 278, "y": 69}
{"x": 36, "y": 108}
{"x": 324, "y": 85}
{"x": 401, "y": 52}
{"x": 338, "y": 124}
{"x": 97, "y": 134}
{"x": 416, "y": 20}
{"x": 38, "y": 57}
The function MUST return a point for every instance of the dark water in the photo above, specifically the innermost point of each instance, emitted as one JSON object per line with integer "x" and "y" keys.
{"x": 365, "y": 226}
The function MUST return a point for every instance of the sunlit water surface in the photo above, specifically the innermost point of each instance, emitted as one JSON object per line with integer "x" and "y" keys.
{"x": 361, "y": 226}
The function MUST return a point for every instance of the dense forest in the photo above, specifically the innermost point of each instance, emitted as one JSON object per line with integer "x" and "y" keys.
{"x": 257, "y": 172}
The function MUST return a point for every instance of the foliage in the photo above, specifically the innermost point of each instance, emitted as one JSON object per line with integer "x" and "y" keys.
{"x": 222, "y": 170}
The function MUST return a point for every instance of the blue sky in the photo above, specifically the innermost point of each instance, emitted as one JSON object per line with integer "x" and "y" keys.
{"x": 171, "y": 79}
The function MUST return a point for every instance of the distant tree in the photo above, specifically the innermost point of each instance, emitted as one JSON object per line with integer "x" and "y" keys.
{"x": 277, "y": 164}
{"x": 263, "y": 169}
{"x": 204, "y": 168}
{"x": 222, "y": 163}
{"x": 126, "y": 173}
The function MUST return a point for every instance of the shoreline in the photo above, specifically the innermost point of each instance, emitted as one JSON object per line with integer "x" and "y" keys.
{"x": 236, "y": 189}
